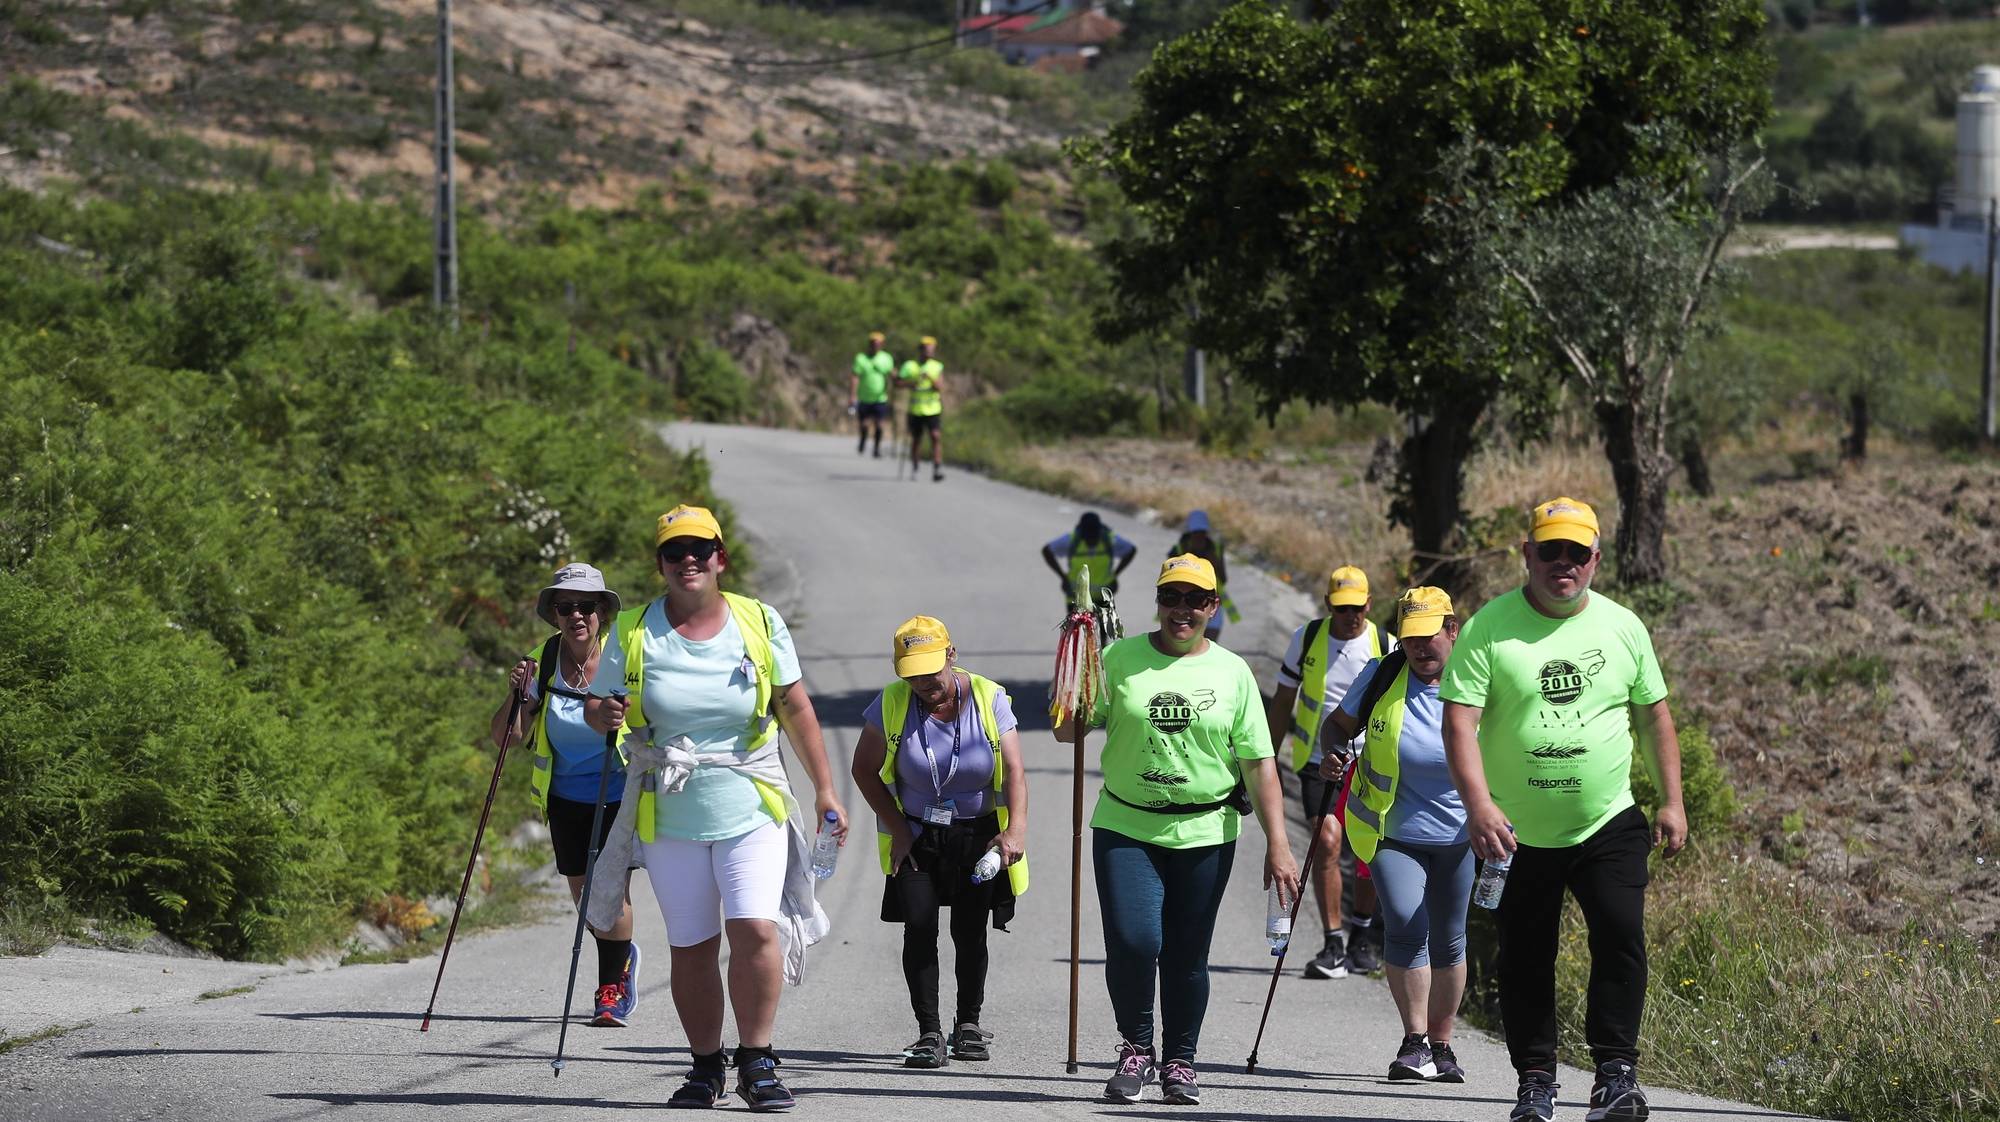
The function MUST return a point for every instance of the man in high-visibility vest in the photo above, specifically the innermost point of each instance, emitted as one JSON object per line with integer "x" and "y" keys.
{"x": 924, "y": 375}
{"x": 1090, "y": 548}
{"x": 1198, "y": 539}
{"x": 1325, "y": 657}
{"x": 868, "y": 391}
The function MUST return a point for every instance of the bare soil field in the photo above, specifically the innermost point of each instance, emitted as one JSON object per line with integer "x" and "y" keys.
{"x": 1835, "y": 629}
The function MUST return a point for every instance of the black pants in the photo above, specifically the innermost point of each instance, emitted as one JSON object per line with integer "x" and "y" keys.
{"x": 942, "y": 879}
{"x": 1606, "y": 872}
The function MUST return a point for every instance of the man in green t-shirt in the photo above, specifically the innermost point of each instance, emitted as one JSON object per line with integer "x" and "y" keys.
{"x": 1548, "y": 691}
{"x": 868, "y": 391}
{"x": 924, "y": 375}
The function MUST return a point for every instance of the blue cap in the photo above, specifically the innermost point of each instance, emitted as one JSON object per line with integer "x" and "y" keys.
{"x": 1196, "y": 520}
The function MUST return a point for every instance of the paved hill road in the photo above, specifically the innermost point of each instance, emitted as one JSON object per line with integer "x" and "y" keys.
{"x": 847, "y": 551}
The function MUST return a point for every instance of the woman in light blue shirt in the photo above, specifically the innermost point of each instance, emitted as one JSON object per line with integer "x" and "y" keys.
{"x": 720, "y": 850}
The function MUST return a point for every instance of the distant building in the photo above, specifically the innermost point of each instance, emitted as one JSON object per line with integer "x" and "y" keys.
{"x": 1064, "y": 37}
{"x": 1958, "y": 241}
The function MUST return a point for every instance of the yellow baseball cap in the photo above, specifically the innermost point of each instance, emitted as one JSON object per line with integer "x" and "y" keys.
{"x": 1186, "y": 568}
{"x": 877, "y": 337}
{"x": 921, "y": 647}
{"x": 1565, "y": 518}
{"x": 1345, "y": 586}
{"x": 928, "y": 341}
{"x": 1420, "y": 612}
{"x": 687, "y": 522}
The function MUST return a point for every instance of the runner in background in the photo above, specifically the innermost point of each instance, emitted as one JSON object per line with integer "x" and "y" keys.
{"x": 1090, "y": 548}
{"x": 868, "y": 392}
{"x": 1322, "y": 662}
{"x": 924, "y": 375}
{"x": 1197, "y": 539}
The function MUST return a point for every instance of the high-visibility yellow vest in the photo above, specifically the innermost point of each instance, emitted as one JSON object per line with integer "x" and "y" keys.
{"x": 1093, "y": 559}
{"x": 755, "y": 627}
{"x": 1307, "y": 713}
{"x": 925, "y": 377}
{"x": 895, "y": 708}
{"x": 1376, "y": 772}
{"x": 542, "y": 755}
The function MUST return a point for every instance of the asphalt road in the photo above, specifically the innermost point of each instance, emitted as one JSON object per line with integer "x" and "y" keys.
{"x": 847, "y": 551}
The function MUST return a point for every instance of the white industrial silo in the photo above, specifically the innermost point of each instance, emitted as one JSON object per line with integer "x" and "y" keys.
{"x": 1978, "y": 150}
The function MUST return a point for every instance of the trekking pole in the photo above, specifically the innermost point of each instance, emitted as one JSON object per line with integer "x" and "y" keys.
{"x": 589, "y": 872}
{"x": 1305, "y": 875}
{"x": 492, "y": 788}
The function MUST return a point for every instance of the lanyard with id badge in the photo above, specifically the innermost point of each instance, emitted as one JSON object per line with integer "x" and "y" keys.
{"x": 934, "y": 814}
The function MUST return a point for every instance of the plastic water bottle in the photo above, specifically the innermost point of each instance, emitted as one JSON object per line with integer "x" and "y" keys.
{"x": 826, "y": 847}
{"x": 988, "y": 867}
{"x": 1277, "y": 921}
{"x": 1492, "y": 881}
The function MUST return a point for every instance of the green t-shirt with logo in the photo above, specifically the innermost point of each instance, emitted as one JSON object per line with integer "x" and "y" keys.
{"x": 1556, "y": 728}
{"x": 1176, "y": 730}
{"x": 872, "y": 374}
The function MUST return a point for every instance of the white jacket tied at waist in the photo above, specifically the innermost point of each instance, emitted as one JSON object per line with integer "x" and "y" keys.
{"x": 801, "y": 921}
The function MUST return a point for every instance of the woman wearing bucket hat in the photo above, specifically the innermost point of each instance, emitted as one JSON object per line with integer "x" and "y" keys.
{"x": 1406, "y": 820}
{"x": 726, "y": 844}
{"x": 1184, "y": 741}
{"x": 568, "y": 758}
{"x": 939, "y": 761}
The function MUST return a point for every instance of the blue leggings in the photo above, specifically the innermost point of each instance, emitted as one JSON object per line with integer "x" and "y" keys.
{"x": 1424, "y": 890}
{"x": 1159, "y": 908}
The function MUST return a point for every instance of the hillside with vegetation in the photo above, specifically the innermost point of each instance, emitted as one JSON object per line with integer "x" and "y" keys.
{"x": 267, "y": 530}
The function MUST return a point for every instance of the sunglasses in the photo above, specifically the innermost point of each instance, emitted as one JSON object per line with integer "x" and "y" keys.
{"x": 1576, "y": 552}
{"x": 1347, "y": 610}
{"x": 566, "y": 608}
{"x": 1195, "y": 600}
{"x": 700, "y": 549}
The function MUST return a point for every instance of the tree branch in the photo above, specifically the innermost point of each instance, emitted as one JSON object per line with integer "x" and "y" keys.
{"x": 1585, "y": 369}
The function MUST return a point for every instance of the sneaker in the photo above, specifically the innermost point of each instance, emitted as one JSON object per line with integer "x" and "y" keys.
{"x": 1446, "y": 1060}
{"x": 928, "y": 1051}
{"x": 937, "y": 475}
{"x": 628, "y": 987}
{"x": 1177, "y": 1083}
{"x": 1413, "y": 1059}
{"x": 1616, "y": 1097}
{"x": 1331, "y": 961}
{"x": 609, "y": 997}
{"x": 1135, "y": 1070}
{"x": 1537, "y": 1097}
{"x": 968, "y": 1042}
{"x": 1363, "y": 957}
{"x": 701, "y": 1090}
{"x": 758, "y": 1085}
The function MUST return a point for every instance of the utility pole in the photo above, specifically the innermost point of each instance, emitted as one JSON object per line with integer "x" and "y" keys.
{"x": 1194, "y": 366}
{"x": 1992, "y": 320}
{"x": 444, "y": 275}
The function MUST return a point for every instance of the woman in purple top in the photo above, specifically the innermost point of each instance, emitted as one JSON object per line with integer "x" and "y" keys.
{"x": 940, "y": 762}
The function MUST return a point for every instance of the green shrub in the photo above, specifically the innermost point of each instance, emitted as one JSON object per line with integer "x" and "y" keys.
{"x": 1056, "y": 405}
{"x": 709, "y": 386}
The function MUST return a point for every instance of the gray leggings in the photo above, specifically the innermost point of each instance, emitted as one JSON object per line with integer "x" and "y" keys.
{"x": 1424, "y": 890}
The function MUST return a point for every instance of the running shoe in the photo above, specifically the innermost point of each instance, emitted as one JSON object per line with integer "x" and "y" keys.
{"x": 1537, "y": 1097}
{"x": 758, "y": 1085}
{"x": 628, "y": 987}
{"x": 1177, "y": 1083}
{"x": 1331, "y": 961}
{"x": 928, "y": 1051}
{"x": 969, "y": 1042}
{"x": 608, "y": 998}
{"x": 1363, "y": 956}
{"x": 1135, "y": 1070}
{"x": 1446, "y": 1060}
{"x": 1413, "y": 1059}
{"x": 1616, "y": 1097}
{"x": 937, "y": 475}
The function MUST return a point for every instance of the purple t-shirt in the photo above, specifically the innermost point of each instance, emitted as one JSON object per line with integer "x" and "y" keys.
{"x": 924, "y": 772}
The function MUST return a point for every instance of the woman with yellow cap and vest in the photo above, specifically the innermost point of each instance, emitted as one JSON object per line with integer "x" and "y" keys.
{"x": 568, "y": 759}
{"x": 1405, "y": 818}
{"x": 1184, "y": 742}
{"x": 726, "y": 845}
{"x": 940, "y": 762}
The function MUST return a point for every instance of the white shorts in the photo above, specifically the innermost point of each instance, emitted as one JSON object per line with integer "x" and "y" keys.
{"x": 701, "y": 883}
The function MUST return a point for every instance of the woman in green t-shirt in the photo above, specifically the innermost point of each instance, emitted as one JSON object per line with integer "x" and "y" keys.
{"x": 1184, "y": 740}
